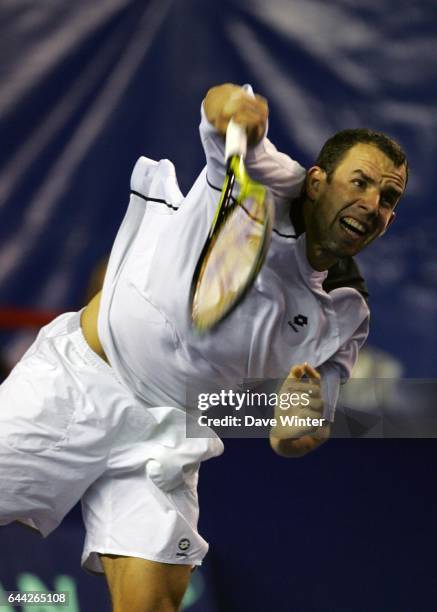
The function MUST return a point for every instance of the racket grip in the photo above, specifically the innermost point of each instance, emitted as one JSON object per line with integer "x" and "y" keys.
{"x": 236, "y": 135}
{"x": 236, "y": 140}
{"x": 248, "y": 89}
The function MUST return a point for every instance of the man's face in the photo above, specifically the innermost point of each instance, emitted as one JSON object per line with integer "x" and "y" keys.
{"x": 357, "y": 204}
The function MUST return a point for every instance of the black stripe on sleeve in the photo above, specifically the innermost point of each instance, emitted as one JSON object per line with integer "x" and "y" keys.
{"x": 233, "y": 199}
{"x": 211, "y": 185}
{"x": 158, "y": 200}
{"x": 284, "y": 235}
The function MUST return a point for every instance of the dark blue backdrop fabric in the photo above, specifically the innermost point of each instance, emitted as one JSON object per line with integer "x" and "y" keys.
{"x": 86, "y": 88}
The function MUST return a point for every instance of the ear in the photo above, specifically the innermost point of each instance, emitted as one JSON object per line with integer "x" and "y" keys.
{"x": 390, "y": 221}
{"x": 315, "y": 181}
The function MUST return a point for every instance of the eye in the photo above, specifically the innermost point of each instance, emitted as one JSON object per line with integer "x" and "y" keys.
{"x": 360, "y": 183}
{"x": 387, "y": 201}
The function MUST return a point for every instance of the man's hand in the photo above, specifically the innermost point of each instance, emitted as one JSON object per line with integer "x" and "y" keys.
{"x": 228, "y": 101}
{"x": 301, "y": 414}
{"x": 300, "y": 425}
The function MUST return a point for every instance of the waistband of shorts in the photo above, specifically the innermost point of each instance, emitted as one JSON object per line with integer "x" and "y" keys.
{"x": 74, "y": 329}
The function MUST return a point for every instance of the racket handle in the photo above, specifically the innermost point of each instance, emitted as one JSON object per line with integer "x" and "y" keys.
{"x": 248, "y": 89}
{"x": 236, "y": 135}
{"x": 236, "y": 140}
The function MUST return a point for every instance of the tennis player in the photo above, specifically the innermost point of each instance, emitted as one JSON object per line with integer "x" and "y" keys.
{"x": 95, "y": 408}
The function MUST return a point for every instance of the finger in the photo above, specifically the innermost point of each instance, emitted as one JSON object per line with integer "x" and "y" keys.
{"x": 241, "y": 100}
{"x": 297, "y": 371}
{"x": 316, "y": 405}
{"x": 251, "y": 119}
{"x": 311, "y": 372}
{"x": 263, "y": 102}
{"x": 313, "y": 409}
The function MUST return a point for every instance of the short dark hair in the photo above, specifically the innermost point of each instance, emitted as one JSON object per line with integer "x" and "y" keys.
{"x": 336, "y": 147}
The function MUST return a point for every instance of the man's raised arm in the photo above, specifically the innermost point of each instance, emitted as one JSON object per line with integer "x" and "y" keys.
{"x": 281, "y": 174}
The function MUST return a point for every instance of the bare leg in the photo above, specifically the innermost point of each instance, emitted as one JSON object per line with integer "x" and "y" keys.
{"x": 138, "y": 585}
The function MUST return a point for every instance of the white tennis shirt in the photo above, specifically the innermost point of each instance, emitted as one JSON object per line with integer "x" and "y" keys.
{"x": 285, "y": 319}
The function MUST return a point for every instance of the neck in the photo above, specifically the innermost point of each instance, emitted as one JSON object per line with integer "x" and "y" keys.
{"x": 319, "y": 258}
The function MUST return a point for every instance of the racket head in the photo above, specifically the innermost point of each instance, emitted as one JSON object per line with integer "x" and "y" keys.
{"x": 235, "y": 249}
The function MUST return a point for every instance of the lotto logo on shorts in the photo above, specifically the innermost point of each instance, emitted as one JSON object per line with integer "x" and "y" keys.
{"x": 184, "y": 544}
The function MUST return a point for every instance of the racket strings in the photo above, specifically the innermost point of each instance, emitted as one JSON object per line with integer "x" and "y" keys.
{"x": 231, "y": 260}
{"x": 251, "y": 215}
{"x": 235, "y": 248}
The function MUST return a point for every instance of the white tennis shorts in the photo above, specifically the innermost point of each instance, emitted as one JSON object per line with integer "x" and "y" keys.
{"x": 70, "y": 430}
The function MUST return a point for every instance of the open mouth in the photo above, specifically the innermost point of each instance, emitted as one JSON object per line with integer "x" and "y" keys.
{"x": 353, "y": 227}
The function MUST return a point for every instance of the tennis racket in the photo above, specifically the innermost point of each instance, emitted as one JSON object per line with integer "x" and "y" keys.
{"x": 238, "y": 240}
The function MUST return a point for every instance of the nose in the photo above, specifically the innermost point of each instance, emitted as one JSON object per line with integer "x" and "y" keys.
{"x": 369, "y": 201}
